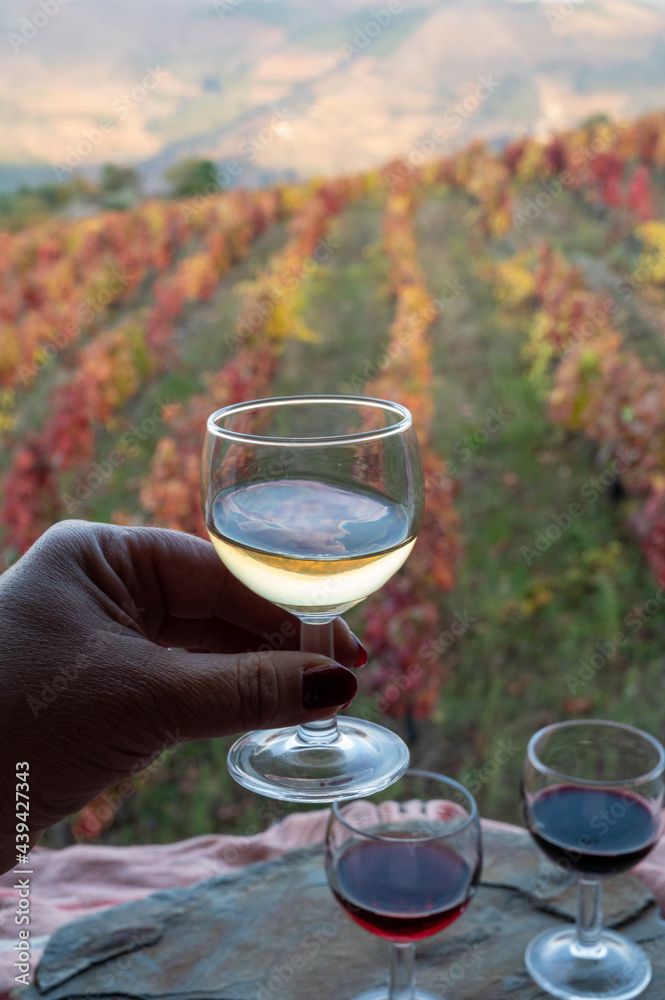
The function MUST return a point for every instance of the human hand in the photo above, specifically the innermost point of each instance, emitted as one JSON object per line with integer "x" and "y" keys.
{"x": 90, "y": 689}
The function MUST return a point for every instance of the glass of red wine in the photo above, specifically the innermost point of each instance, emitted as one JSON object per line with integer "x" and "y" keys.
{"x": 404, "y": 864}
{"x": 592, "y": 799}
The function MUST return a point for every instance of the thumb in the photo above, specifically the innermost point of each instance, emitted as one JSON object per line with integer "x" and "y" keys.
{"x": 208, "y": 694}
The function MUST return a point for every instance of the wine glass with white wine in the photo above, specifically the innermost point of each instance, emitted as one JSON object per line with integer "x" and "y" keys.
{"x": 314, "y": 502}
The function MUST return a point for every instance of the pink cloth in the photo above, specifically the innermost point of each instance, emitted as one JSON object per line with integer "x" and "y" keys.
{"x": 79, "y": 880}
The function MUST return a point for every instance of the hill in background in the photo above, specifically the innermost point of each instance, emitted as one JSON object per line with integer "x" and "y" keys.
{"x": 285, "y": 90}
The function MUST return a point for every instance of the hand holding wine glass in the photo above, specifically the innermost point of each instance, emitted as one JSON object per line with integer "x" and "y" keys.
{"x": 404, "y": 865}
{"x": 592, "y": 798}
{"x": 314, "y": 502}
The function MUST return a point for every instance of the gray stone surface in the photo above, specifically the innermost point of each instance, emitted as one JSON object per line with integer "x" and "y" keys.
{"x": 272, "y": 931}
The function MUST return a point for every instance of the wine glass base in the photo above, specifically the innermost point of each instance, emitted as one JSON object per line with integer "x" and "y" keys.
{"x": 365, "y": 758}
{"x": 616, "y": 969}
{"x": 383, "y": 993}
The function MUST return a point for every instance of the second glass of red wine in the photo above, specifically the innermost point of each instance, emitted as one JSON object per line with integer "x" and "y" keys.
{"x": 403, "y": 865}
{"x": 592, "y": 799}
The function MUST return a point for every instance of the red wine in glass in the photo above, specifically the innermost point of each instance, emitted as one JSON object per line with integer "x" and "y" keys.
{"x": 593, "y": 831}
{"x": 592, "y": 799}
{"x": 404, "y": 864}
{"x": 402, "y": 897}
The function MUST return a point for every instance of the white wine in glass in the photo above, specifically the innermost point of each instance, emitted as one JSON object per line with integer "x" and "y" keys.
{"x": 345, "y": 543}
{"x": 314, "y": 502}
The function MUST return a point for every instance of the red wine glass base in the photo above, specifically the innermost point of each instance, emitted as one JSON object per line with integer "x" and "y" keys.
{"x": 615, "y": 969}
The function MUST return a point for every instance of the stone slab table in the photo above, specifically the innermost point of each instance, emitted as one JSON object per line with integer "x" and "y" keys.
{"x": 272, "y": 931}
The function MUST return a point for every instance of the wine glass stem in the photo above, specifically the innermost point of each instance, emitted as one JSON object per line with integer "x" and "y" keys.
{"x": 402, "y": 960}
{"x": 317, "y": 637}
{"x": 589, "y": 914}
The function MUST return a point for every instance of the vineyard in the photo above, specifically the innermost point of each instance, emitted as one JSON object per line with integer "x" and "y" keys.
{"x": 514, "y": 301}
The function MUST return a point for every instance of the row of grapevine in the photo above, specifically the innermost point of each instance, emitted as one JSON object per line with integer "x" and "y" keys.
{"x": 604, "y": 162}
{"x": 593, "y": 383}
{"x": 402, "y": 622}
{"x": 269, "y": 314}
{"x": 59, "y": 280}
{"x": 109, "y": 370}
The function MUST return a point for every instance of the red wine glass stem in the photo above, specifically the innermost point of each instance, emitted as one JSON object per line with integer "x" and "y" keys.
{"x": 589, "y": 913}
{"x": 402, "y": 961}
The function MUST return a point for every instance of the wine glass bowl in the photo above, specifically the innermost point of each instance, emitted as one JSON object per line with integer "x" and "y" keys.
{"x": 314, "y": 502}
{"x": 592, "y": 799}
{"x": 404, "y": 865}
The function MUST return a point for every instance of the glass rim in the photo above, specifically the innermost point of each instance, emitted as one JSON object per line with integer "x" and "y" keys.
{"x": 403, "y": 423}
{"x": 471, "y": 818}
{"x": 534, "y": 759}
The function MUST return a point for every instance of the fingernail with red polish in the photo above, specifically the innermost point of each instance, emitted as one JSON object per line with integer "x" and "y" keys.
{"x": 362, "y": 655}
{"x": 327, "y": 686}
